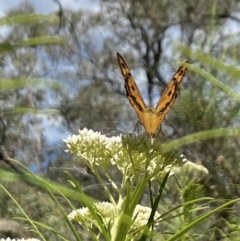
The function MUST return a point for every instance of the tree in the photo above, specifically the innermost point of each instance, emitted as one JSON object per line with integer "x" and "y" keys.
{"x": 154, "y": 37}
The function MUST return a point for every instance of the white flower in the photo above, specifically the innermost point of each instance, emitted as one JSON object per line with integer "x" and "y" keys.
{"x": 90, "y": 145}
{"x": 18, "y": 239}
{"x": 86, "y": 218}
{"x": 141, "y": 215}
{"x": 129, "y": 153}
{"x": 190, "y": 166}
{"x": 108, "y": 212}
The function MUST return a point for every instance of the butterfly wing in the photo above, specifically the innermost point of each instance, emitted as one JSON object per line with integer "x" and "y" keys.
{"x": 170, "y": 93}
{"x": 133, "y": 94}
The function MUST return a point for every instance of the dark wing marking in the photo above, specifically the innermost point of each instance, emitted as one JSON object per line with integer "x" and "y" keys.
{"x": 132, "y": 91}
{"x": 170, "y": 93}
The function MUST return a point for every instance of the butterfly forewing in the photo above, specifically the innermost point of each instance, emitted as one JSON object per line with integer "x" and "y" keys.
{"x": 170, "y": 93}
{"x": 132, "y": 91}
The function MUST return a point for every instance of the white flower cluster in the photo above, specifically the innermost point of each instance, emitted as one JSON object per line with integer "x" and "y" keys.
{"x": 108, "y": 211}
{"x": 129, "y": 154}
{"x": 142, "y": 214}
{"x": 85, "y": 217}
{"x": 97, "y": 149}
{"x": 19, "y": 239}
{"x": 190, "y": 166}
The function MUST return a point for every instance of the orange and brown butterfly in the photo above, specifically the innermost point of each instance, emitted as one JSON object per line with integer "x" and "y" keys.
{"x": 151, "y": 117}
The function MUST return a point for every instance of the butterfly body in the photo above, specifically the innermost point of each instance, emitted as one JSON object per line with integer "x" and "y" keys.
{"x": 150, "y": 117}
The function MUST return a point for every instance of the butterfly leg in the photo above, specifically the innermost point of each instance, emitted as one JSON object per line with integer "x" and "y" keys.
{"x": 136, "y": 127}
{"x": 160, "y": 130}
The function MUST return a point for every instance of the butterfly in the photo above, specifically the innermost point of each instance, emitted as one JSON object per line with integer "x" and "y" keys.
{"x": 151, "y": 117}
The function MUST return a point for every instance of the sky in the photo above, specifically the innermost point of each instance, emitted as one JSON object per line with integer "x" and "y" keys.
{"x": 45, "y": 6}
